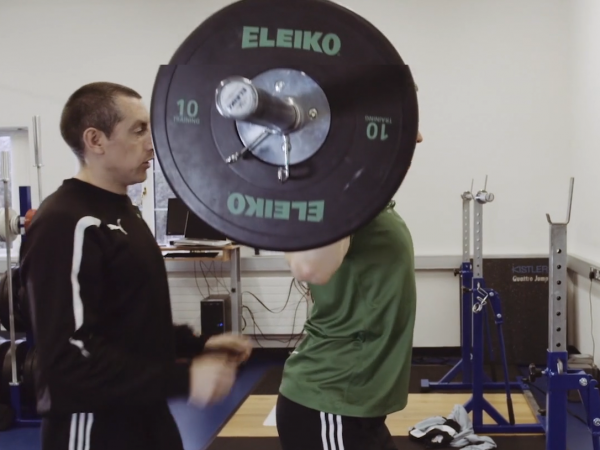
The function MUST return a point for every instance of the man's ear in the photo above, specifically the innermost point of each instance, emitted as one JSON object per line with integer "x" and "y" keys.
{"x": 94, "y": 140}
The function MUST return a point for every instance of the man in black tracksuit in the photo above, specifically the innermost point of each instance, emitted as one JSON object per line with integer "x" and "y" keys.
{"x": 109, "y": 356}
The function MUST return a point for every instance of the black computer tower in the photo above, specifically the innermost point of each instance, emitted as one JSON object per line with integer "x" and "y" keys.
{"x": 215, "y": 314}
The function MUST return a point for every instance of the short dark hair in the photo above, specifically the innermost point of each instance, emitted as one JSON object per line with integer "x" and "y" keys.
{"x": 92, "y": 105}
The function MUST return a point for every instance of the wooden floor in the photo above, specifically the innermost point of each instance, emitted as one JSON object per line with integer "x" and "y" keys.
{"x": 250, "y": 417}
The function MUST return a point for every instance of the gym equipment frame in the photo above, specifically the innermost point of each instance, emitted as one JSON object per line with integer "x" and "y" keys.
{"x": 560, "y": 379}
{"x": 475, "y": 296}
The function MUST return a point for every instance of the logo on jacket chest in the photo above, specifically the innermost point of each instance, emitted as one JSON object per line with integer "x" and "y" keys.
{"x": 117, "y": 227}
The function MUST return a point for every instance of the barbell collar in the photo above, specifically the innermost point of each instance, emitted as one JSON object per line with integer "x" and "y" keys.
{"x": 238, "y": 99}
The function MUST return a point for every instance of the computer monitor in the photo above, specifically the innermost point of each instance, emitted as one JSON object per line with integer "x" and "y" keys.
{"x": 182, "y": 222}
{"x": 177, "y": 216}
{"x": 196, "y": 228}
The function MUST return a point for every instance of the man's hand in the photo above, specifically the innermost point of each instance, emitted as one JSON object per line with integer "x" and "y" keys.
{"x": 239, "y": 347}
{"x": 211, "y": 379}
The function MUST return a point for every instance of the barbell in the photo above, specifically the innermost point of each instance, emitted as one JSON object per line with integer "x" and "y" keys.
{"x": 19, "y": 303}
{"x": 285, "y": 125}
{"x": 11, "y": 226}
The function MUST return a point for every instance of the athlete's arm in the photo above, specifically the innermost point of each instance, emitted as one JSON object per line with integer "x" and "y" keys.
{"x": 189, "y": 345}
{"x": 62, "y": 265}
{"x": 317, "y": 266}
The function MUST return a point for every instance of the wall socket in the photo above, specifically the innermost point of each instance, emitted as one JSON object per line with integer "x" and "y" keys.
{"x": 594, "y": 273}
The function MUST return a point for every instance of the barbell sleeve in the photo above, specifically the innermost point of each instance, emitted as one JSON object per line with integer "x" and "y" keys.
{"x": 238, "y": 99}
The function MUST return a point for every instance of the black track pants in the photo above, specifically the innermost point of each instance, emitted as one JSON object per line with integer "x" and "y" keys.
{"x": 302, "y": 428}
{"x": 151, "y": 429}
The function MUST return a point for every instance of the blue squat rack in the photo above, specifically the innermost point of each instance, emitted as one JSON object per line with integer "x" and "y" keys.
{"x": 464, "y": 365}
{"x": 475, "y": 297}
{"x": 560, "y": 380}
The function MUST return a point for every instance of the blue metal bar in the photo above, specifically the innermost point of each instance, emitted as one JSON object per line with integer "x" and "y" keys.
{"x": 24, "y": 200}
{"x": 452, "y": 373}
{"x": 467, "y": 321}
{"x": 464, "y": 366}
{"x": 488, "y": 334}
{"x": 590, "y": 397}
{"x": 21, "y": 418}
{"x": 556, "y": 406}
{"x": 24, "y": 206}
{"x": 488, "y": 386}
{"x": 560, "y": 382}
{"x": 477, "y": 404}
{"x": 496, "y": 304}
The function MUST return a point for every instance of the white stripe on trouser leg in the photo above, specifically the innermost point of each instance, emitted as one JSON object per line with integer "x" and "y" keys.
{"x": 331, "y": 432}
{"x": 73, "y": 433}
{"x": 88, "y": 431}
{"x": 324, "y": 432}
{"x": 340, "y": 439}
{"x": 81, "y": 432}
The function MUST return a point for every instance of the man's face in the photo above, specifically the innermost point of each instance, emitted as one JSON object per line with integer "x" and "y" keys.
{"x": 128, "y": 151}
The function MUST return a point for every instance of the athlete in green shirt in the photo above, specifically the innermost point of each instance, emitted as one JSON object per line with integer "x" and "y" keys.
{"x": 353, "y": 367}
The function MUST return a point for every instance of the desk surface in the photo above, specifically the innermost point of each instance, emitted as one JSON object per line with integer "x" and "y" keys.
{"x": 196, "y": 248}
{"x": 197, "y": 251}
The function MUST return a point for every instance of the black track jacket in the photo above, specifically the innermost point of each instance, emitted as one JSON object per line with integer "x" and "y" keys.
{"x": 98, "y": 296}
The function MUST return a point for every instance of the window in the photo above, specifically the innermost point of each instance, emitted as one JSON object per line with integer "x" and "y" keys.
{"x": 136, "y": 193}
{"x": 162, "y": 194}
{"x": 6, "y": 146}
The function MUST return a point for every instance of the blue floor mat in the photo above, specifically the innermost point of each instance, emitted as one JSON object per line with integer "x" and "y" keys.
{"x": 20, "y": 439}
{"x": 198, "y": 427}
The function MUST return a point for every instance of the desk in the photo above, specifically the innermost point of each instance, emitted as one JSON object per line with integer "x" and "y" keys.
{"x": 230, "y": 254}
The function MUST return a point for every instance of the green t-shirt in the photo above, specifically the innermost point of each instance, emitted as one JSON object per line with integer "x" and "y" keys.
{"x": 355, "y": 359}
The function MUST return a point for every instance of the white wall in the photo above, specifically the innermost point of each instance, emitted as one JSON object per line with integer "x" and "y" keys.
{"x": 584, "y": 239}
{"x": 438, "y": 307}
{"x": 585, "y": 138}
{"x": 493, "y": 79}
{"x": 287, "y": 304}
{"x": 494, "y": 90}
{"x": 584, "y": 315}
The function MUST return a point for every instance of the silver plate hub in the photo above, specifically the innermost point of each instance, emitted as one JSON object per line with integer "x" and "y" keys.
{"x": 314, "y": 121}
